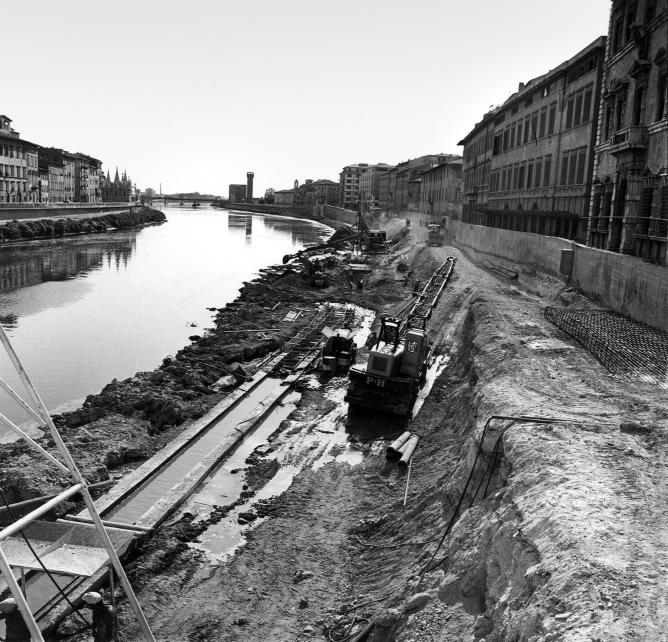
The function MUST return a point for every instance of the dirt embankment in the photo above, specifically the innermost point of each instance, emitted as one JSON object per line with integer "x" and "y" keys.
{"x": 49, "y": 228}
{"x": 555, "y": 534}
{"x": 130, "y": 420}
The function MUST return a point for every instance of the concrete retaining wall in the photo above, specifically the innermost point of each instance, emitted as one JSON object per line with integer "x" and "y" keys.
{"x": 22, "y": 213}
{"x": 622, "y": 283}
{"x": 328, "y": 214}
{"x": 523, "y": 248}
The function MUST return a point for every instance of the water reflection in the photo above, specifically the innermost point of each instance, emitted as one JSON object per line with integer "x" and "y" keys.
{"x": 89, "y": 309}
{"x": 26, "y": 264}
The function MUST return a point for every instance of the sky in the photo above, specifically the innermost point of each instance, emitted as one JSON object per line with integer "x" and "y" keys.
{"x": 192, "y": 95}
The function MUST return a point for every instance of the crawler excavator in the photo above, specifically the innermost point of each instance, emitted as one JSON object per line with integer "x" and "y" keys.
{"x": 396, "y": 368}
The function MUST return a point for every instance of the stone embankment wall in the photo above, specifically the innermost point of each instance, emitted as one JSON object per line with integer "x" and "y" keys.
{"x": 19, "y": 213}
{"x": 623, "y": 283}
{"x": 328, "y": 214}
{"x": 55, "y": 227}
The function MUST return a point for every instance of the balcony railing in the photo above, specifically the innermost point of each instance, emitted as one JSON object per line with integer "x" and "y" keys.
{"x": 629, "y": 138}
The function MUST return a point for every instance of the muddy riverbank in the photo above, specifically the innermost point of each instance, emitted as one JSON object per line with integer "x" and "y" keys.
{"x": 25, "y": 230}
{"x": 508, "y": 541}
{"x": 129, "y": 420}
{"x": 539, "y": 532}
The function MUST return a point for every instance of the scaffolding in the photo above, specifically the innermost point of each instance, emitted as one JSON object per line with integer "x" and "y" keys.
{"x": 38, "y": 411}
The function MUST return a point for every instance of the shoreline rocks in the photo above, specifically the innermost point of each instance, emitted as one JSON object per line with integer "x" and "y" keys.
{"x": 26, "y": 230}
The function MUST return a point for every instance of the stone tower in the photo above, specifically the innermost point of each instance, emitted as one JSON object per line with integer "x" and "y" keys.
{"x": 249, "y": 187}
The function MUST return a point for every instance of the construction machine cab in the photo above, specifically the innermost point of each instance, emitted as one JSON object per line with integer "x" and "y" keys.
{"x": 385, "y": 354}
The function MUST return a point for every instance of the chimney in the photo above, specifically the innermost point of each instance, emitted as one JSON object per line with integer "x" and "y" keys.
{"x": 521, "y": 87}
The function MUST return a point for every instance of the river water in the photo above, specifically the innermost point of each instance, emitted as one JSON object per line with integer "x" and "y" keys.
{"x": 83, "y": 310}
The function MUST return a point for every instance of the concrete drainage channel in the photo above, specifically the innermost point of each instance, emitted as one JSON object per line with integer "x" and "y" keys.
{"x": 191, "y": 464}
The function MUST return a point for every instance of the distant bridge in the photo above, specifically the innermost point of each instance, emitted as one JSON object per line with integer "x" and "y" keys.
{"x": 169, "y": 198}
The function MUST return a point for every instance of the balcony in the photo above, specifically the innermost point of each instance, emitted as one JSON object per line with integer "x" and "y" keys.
{"x": 628, "y": 138}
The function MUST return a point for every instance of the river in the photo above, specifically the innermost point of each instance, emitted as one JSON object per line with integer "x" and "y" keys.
{"x": 83, "y": 310}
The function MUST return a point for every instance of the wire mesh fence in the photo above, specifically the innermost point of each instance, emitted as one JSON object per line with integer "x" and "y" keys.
{"x": 623, "y": 346}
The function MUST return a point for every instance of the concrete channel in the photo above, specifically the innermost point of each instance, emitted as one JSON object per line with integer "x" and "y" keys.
{"x": 145, "y": 498}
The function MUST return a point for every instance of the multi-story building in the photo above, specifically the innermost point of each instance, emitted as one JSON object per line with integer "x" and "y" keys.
{"x": 59, "y": 167}
{"x": 326, "y": 192}
{"x": 385, "y": 185}
{"x": 237, "y": 193}
{"x": 404, "y": 181}
{"x": 318, "y": 192}
{"x": 528, "y": 163}
{"x": 86, "y": 179}
{"x": 349, "y": 185}
{"x": 33, "y": 185}
{"x": 15, "y": 170}
{"x": 441, "y": 189}
{"x": 629, "y": 205}
{"x": 285, "y": 196}
{"x": 368, "y": 183}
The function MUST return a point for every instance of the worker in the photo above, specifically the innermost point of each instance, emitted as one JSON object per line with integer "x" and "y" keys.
{"x": 16, "y": 629}
{"x": 105, "y": 619}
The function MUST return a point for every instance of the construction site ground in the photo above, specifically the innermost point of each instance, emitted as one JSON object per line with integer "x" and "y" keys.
{"x": 562, "y": 532}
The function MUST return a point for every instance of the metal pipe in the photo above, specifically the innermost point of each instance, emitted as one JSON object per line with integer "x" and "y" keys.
{"x": 19, "y": 400}
{"x": 392, "y": 451}
{"x": 36, "y": 500}
{"x": 12, "y": 426}
{"x": 19, "y": 524}
{"x": 110, "y": 524}
{"x": 17, "y": 594}
{"x": 408, "y": 451}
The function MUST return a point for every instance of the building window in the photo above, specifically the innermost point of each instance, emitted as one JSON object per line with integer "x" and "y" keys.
{"x": 539, "y": 167}
{"x": 582, "y": 160}
{"x": 543, "y": 123}
{"x": 529, "y": 174}
{"x": 662, "y": 96}
{"x": 586, "y": 108}
{"x": 578, "y": 108}
{"x": 552, "y": 118}
{"x": 505, "y": 139}
{"x": 638, "y": 105}
{"x": 547, "y": 171}
{"x": 564, "y": 169}
{"x": 512, "y": 136}
{"x": 650, "y": 11}
{"x": 527, "y": 125}
{"x": 607, "y": 125}
{"x": 617, "y": 31}
{"x": 519, "y": 132}
{"x": 596, "y": 207}
{"x": 631, "y": 12}
{"x": 620, "y": 110}
{"x": 569, "y": 112}
{"x": 520, "y": 177}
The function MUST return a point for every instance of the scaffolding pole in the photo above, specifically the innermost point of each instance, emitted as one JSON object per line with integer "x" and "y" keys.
{"x": 80, "y": 485}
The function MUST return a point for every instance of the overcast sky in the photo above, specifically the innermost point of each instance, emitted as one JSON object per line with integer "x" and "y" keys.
{"x": 194, "y": 94}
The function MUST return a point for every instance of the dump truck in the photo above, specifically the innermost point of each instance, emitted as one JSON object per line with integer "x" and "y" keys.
{"x": 396, "y": 367}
